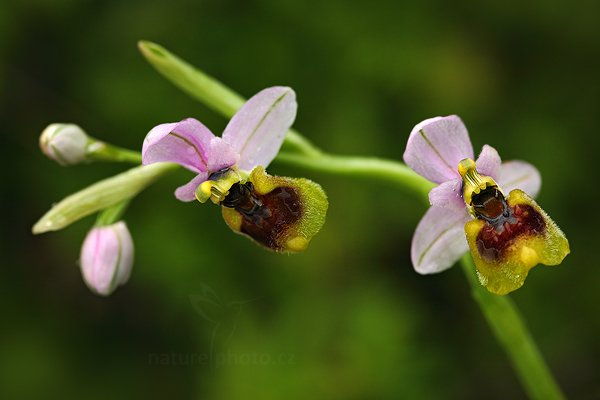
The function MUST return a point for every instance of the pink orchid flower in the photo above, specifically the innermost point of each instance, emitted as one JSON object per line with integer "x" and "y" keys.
{"x": 279, "y": 213}
{"x": 466, "y": 215}
{"x": 252, "y": 138}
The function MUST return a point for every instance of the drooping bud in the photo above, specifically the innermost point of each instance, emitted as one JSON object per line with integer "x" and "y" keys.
{"x": 107, "y": 257}
{"x": 508, "y": 236}
{"x": 280, "y": 213}
{"x": 67, "y": 144}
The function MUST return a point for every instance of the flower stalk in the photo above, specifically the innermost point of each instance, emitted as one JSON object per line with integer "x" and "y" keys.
{"x": 102, "y": 151}
{"x": 112, "y": 214}
{"x": 500, "y": 312}
{"x": 355, "y": 166}
{"x": 510, "y": 331}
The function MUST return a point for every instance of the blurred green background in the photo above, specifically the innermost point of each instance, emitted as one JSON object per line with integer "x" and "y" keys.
{"x": 348, "y": 319}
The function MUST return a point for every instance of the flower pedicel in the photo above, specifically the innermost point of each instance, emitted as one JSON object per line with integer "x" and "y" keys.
{"x": 507, "y": 236}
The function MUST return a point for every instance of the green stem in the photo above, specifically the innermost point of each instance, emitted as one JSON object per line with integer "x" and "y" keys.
{"x": 511, "y": 332}
{"x": 101, "y": 151}
{"x": 500, "y": 312}
{"x": 367, "y": 167}
{"x": 112, "y": 214}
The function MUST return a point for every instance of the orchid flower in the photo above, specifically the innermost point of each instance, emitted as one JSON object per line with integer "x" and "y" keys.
{"x": 280, "y": 213}
{"x": 506, "y": 236}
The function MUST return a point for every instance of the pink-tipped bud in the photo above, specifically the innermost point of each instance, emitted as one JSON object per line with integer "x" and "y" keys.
{"x": 107, "y": 258}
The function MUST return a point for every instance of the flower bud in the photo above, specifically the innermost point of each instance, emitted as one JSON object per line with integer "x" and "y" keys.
{"x": 67, "y": 144}
{"x": 107, "y": 257}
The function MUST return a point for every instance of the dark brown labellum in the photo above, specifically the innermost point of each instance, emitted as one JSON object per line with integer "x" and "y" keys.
{"x": 266, "y": 217}
{"x": 504, "y": 224}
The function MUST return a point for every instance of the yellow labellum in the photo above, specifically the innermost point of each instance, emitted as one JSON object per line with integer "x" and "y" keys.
{"x": 504, "y": 253}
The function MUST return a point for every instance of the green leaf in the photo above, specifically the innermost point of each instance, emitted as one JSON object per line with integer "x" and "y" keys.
{"x": 100, "y": 195}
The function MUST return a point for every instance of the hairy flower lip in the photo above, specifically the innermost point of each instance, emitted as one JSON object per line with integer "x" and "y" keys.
{"x": 280, "y": 213}
{"x": 505, "y": 253}
{"x": 252, "y": 137}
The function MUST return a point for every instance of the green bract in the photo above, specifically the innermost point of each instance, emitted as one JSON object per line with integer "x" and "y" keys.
{"x": 100, "y": 195}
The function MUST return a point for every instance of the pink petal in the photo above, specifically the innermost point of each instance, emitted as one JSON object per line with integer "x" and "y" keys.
{"x": 221, "y": 155}
{"x": 187, "y": 192}
{"x": 489, "y": 162}
{"x": 436, "y": 146}
{"x": 186, "y": 142}
{"x": 439, "y": 240}
{"x": 257, "y": 130}
{"x": 99, "y": 256}
{"x": 448, "y": 195}
{"x": 519, "y": 175}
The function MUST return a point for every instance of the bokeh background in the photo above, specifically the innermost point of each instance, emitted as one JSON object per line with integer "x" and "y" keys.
{"x": 207, "y": 314}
